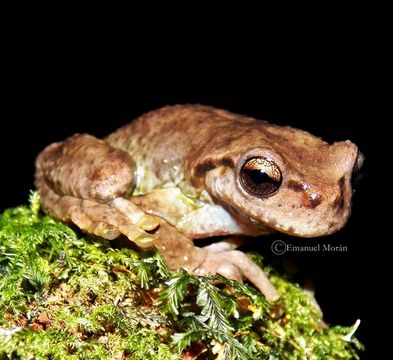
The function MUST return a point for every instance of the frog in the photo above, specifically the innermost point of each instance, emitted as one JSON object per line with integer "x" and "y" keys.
{"x": 184, "y": 173}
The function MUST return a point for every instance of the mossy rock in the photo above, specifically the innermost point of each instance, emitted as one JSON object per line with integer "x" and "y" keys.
{"x": 68, "y": 297}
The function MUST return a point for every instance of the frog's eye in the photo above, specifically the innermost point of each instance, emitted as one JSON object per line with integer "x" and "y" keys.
{"x": 260, "y": 177}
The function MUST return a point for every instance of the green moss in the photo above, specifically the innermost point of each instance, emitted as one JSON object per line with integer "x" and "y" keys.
{"x": 67, "y": 297}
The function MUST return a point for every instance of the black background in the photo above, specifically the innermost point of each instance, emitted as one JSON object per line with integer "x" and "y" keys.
{"x": 333, "y": 99}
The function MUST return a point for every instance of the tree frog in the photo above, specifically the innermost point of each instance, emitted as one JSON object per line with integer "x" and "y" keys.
{"x": 188, "y": 172}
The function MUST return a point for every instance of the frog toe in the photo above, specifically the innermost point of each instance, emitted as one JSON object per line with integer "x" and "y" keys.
{"x": 134, "y": 214}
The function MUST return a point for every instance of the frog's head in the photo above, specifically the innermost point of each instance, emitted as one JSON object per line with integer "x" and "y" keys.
{"x": 303, "y": 189}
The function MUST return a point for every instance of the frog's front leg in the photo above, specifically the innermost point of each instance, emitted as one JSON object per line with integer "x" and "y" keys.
{"x": 219, "y": 258}
{"x": 235, "y": 264}
{"x": 83, "y": 180}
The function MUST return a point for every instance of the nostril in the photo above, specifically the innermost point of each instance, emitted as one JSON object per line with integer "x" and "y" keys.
{"x": 357, "y": 172}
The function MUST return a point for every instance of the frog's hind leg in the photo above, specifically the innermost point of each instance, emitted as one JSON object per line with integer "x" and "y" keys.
{"x": 82, "y": 180}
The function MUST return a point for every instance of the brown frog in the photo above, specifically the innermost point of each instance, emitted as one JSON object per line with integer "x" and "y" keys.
{"x": 188, "y": 172}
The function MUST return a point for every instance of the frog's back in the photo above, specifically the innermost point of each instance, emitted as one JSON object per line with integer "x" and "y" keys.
{"x": 184, "y": 123}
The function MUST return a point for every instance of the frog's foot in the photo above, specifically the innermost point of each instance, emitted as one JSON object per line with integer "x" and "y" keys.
{"x": 234, "y": 264}
{"x": 109, "y": 221}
